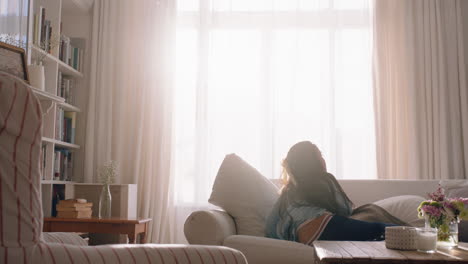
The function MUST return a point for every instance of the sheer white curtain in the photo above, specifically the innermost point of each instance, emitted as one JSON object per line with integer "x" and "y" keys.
{"x": 14, "y": 21}
{"x": 421, "y": 95}
{"x": 129, "y": 106}
{"x": 253, "y": 77}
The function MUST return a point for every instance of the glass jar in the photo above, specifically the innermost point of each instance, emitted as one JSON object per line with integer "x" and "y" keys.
{"x": 447, "y": 232}
{"x": 426, "y": 240}
{"x": 105, "y": 202}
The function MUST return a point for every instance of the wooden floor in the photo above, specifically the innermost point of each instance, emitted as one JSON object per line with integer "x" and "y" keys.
{"x": 335, "y": 252}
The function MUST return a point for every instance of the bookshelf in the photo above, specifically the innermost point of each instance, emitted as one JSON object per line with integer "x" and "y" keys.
{"x": 59, "y": 36}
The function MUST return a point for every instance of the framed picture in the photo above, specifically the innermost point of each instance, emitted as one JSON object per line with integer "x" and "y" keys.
{"x": 13, "y": 61}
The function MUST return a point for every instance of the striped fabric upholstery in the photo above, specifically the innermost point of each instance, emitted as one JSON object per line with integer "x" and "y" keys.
{"x": 64, "y": 238}
{"x": 21, "y": 239}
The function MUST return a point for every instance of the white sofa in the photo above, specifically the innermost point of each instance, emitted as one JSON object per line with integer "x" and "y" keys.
{"x": 216, "y": 227}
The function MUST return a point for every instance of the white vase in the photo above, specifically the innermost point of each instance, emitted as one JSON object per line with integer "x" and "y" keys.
{"x": 36, "y": 76}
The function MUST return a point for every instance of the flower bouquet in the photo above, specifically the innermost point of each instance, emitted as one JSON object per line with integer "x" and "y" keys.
{"x": 444, "y": 214}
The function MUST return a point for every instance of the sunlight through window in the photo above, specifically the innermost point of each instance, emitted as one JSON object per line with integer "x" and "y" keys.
{"x": 256, "y": 76}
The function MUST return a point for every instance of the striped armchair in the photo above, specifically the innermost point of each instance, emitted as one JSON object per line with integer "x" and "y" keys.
{"x": 21, "y": 237}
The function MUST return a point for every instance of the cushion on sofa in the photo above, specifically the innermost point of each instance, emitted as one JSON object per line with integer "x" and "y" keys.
{"x": 404, "y": 207}
{"x": 455, "y": 188}
{"x": 209, "y": 227}
{"x": 245, "y": 194}
{"x": 450, "y": 185}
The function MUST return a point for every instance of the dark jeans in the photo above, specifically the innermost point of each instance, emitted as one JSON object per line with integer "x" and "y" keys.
{"x": 346, "y": 229}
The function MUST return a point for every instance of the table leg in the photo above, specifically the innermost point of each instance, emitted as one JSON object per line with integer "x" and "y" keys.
{"x": 143, "y": 238}
{"x": 131, "y": 238}
{"x": 46, "y": 227}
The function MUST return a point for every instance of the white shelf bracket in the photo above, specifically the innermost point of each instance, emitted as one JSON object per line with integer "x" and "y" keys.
{"x": 46, "y": 104}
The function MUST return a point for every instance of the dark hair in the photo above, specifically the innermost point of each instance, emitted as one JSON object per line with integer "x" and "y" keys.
{"x": 306, "y": 180}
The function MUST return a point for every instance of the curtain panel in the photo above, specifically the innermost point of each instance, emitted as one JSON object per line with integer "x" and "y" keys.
{"x": 130, "y": 102}
{"x": 420, "y": 90}
{"x": 14, "y": 22}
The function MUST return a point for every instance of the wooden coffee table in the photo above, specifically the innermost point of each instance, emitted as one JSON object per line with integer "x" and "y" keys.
{"x": 335, "y": 252}
{"x": 130, "y": 227}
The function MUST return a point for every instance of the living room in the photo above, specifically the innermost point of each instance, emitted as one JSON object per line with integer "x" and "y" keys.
{"x": 184, "y": 126}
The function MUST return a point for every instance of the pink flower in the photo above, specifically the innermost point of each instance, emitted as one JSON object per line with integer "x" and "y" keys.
{"x": 448, "y": 204}
{"x": 432, "y": 210}
{"x": 438, "y": 195}
{"x": 441, "y": 207}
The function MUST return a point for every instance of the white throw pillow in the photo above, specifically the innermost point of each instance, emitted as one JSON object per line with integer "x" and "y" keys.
{"x": 404, "y": 207}
{"x": 449, "y": 185}
{"x": 245, "y": 194}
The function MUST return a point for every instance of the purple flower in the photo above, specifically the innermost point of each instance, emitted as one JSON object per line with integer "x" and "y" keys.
{"x": 447, "y": 204}
{"x": 438, "y": 195}
{"x": 441, "y": 207}
{"x": 432, "y": 210}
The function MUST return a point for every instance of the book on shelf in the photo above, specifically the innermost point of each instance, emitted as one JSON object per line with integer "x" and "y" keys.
{"x": 36, "y": 28}
{"x": 48, "y": 35}
{"x": 42, "y": 31}
{"x": 65, "y": 48}
{"x": 70, "y": 123}
{"x": 74, "y": 203}
{"x": 71, "y": 51}
{"x": 59, "y": 123}
{"x": 74, "y": 208}
{"x": 43, "y": 160}
{"x": 65, "y": 126}
{"x": 77, "y": 61}
{"x": 42, "y": 12}
{"x": 75, "y": 214}
{"x": 66, "y": 87}
{"x": 59, "y": 83}
{"x": 58, "y": 194}
{"x": 39, "y": 21}
{"x": 63, "y": 164}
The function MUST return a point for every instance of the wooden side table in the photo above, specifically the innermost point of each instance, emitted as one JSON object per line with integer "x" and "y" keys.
{"x": 130, "y": 227}
{"x": 337, "y": 252}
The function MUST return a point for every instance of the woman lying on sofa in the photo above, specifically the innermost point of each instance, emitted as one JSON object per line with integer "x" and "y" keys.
{"x": 312, "y": 204}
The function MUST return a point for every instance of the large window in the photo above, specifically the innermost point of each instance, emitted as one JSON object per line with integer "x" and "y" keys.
{"x": 13, "y": 22}
{"x": 256, "y": 76}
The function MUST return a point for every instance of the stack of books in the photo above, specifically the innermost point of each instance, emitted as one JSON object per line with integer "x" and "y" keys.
{"x": 71, "y": 51}
{"x": 63, "y": 165}
{"x": 65, "y": 126}
{"x": 66, "y": 87}
{"x": 74, "y": 208}
{"x": 42, "y": 35}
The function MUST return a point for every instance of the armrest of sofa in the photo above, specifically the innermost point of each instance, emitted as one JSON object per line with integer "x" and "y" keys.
{"x": 64, "y": 238}
{"x": 147, "y": 253}
{"x": 267, "y": 250}
{"x": 209, "y": 227}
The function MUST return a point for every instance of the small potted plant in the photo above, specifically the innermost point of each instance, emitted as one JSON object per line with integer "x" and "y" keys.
{"x": 444, "y": 214}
